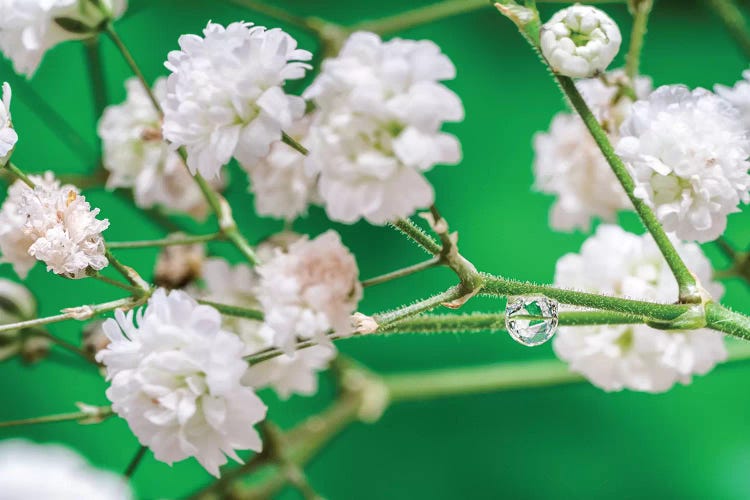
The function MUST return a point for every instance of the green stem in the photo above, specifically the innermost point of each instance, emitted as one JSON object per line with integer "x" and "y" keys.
{"x": 110, "y": 281}
{"x": 641, "y": 12}
{"x": 165, "y": 242}
{"x": 18, "y": 173}
{"x": 279, "y": 14}
{"x": 416, "y": 234}
{"x": 240, "y": 312}
{"x": 732, "y": 17}
{"x": 110, "y": 30}
{"x": 400, "y": 273}
{"x": 128, "y": 273}
{"x": 291, "y": 142}
{"x": 495, "y": 285}
{"x": 386, "y": 318}
{"x": 62, "y": 417}
{"x": 96, "y": 76}
{"x": 688, "y": 291}
{"x": 135, "y": 462}
{"x": 437, "y": 11}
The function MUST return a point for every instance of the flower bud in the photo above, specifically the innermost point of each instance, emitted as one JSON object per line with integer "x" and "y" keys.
{"x": 179, "y": 265}
{"x": 580, "y": 41}
{"x": 17, "y": 304}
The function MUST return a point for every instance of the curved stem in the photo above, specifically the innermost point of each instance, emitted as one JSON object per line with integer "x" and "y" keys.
{"x": 685, "y": 279}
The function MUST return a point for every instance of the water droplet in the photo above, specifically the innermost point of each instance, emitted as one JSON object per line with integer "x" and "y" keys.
{"x": 531, "y": 320}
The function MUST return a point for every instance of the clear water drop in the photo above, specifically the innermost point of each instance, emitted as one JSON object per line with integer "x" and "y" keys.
{"x": 532, "y": 319}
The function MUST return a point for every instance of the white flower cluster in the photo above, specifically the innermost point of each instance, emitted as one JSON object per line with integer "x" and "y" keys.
{"x": 288, "y": 374}
{"x": 377, "y": 127}
{"x": 137, "y": 157}
{"x": 8, "y": 136}
{"x": 688, "y": 154}
{"x": 637, "y": 357}
{"x": 569, "y": 164}
{"x": 51, "y": 223}
{"x": 28, "y": 28}
{"x": 176, "y": 379}
{"x": 738, "y": 96}
{"x": 580, "y": 41}
{"x": 308, "y": 290}
{"x": 225, "y": 97}
{"x": 54, "y": 472}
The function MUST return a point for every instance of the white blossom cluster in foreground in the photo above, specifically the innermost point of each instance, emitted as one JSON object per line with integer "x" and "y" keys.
{"x": 637, "y": 357}
{"x": 137, "y": 157}
{"x": 380, "y": 108}
{"x": 179, "y": 374}
{"x": 688, "y": 154}
{"x": 8, "y": 136}
{"x": 28, "y": 27}
{"x": 51, "y": 223}
{"x": 225, "y": 97}
{"x": 53, "y": 472}
{"x": 570, "y": 165}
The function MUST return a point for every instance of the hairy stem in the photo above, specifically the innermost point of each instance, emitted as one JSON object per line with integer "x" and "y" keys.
{"x": 166, "y": 242}
{"x": 688, "y": 291}
{"x": 417, "y": 235}
{"x": 641, "y": 11}
{"x": 400, "y": 273}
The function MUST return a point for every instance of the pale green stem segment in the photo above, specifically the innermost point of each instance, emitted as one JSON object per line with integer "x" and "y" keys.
{"x": 102, "y": 413}
{"x": 733, "y": 18}
{"x": 17, "y": 172}
{"x": 641, "y": 9}
{"x": 437, "y": 11}
{"x": 104, "y": 279}
{"x": 417, "y": 235}
{"x": 140, "y": 287}
{"x": 239, "y": 312}
{"x": 166, "y": 242}
{"x": 308, "y": 24}
{"x": 123, "y": 49}
{"x": 400, "y": 273}
{"x": 292, "y": 143}
{"x": 688, "y": 290}
{"x": 386, "y": 318}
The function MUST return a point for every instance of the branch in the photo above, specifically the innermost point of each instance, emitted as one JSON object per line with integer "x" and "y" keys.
{"x": 166, "y": 242}
{"x": 400, "y": 273}
{"x": 641, "y": 11}
{"x": 91, "y": 414}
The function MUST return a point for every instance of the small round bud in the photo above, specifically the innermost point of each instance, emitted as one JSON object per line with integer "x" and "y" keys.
{"x": 580, "y": 41}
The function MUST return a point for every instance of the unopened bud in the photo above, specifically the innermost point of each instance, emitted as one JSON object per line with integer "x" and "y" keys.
{"x": 179, "y": 265}
{"x": 580, "y": 41}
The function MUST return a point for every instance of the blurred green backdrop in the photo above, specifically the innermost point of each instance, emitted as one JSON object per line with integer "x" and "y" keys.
{"x": 566, "y": 442}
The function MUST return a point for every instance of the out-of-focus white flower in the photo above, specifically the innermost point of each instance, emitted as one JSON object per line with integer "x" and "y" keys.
{"x": 179, "y": 265}
{"x": 308, "y": 291}
{"x": 635, "y": 357}
{"x": 225, "y": 97}
{"x": 377, "y": 128}
{"x": 136, "y": 156}
{"x": 687, "y": 152}
{"x": 569, "y": 164}
{"x": 51, "y": 223}
{"x": 28, "y": 28}
{"x": 54, "y": 472}
{"x": 580, "y": 41}
{"x": 176, "y": 379}
{"x": 288, "y": 373}
{"x": 8, "y": 136}
{"x": 279, "y": 182}
{"x": 738, "y": 95}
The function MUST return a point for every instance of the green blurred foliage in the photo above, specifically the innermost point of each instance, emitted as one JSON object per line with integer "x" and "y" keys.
{"x": 566, "y": 442}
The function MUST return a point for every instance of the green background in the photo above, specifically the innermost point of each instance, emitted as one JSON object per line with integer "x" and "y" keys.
{"x": 561, "y": 442}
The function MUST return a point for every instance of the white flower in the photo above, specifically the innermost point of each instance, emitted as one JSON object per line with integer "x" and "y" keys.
{"x": 288, "y": 373}
{"x": 569, "y": 164}
{"x": 138, "y": 158}
{"x": 225, "y": 97}
{"x": 8, "y": 136}
{"x": 377, "y": 129}
{"x": 176, "y": 380}
{"x": 308, "y": 291}
{"x": 635, "y": 357}
{"x": 51, "y": 223}
{"x": 738, "y": 95}
{"x": 580, "y": 41}
{"x": 687, "y": 152}
{"x": 28, "y": 28}
{"x": 54, "y": 472}
{"x": 279, "y": 182}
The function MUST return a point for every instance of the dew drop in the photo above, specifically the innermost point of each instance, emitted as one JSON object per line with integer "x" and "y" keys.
{"x": 531, "y": 320}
